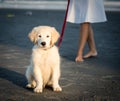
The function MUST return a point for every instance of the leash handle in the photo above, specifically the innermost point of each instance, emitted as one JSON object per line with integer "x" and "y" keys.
{"x": 64, "y": 25}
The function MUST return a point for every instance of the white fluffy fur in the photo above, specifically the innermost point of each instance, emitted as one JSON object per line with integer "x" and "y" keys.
{"x": 44, "y": 68}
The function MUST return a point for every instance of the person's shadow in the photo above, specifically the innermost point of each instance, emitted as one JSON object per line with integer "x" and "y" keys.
{"x": 14, "y": 77}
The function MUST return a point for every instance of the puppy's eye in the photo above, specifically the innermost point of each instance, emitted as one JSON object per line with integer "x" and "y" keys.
{"x": 39, "y": 36}
{"x": 48, "y": 36}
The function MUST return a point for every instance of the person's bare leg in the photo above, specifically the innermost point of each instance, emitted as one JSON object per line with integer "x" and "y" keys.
{"x": 91, "y": 43}
{"x": 84, "y": 28}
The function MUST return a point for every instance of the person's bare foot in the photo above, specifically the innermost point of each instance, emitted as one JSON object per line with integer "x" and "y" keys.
{"x": 90, "y": 54}
{"x": 79, "y": 59}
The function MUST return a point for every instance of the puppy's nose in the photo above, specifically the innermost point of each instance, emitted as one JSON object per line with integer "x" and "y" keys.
{"x": 43, "y": 43}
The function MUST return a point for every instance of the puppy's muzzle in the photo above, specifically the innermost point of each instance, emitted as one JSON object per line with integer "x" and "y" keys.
{"x": 43, "y": 43}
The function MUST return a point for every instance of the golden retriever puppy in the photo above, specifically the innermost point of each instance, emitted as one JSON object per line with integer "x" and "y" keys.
{"x": 44, "y": 68}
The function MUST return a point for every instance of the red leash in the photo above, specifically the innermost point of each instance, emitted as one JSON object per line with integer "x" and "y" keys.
{"x": 64, "y": 25}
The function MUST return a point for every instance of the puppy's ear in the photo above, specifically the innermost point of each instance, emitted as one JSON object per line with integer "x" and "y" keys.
{"x": 55, "y": 36}
{"x": 32, "y": 35}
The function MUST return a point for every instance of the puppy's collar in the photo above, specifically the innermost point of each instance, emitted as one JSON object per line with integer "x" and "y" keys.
{"x": 45, "y": 49}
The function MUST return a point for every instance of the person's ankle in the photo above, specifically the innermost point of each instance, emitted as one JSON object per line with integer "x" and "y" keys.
{"x": 94, "y": 51}
{"x": 79, "y": 58}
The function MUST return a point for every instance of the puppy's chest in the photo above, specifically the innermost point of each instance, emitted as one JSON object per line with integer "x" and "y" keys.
{"x": 43, "y": 56}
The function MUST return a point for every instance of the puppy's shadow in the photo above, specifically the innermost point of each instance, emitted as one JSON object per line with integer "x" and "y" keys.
{"x": 12, "y": 76}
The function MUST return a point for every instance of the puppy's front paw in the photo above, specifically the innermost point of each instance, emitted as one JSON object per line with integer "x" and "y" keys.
{"x": 38, "y": 90}
{"x": 57, "y": 89}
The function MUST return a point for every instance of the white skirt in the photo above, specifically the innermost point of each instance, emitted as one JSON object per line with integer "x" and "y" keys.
{"x": 86, "y": 11}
